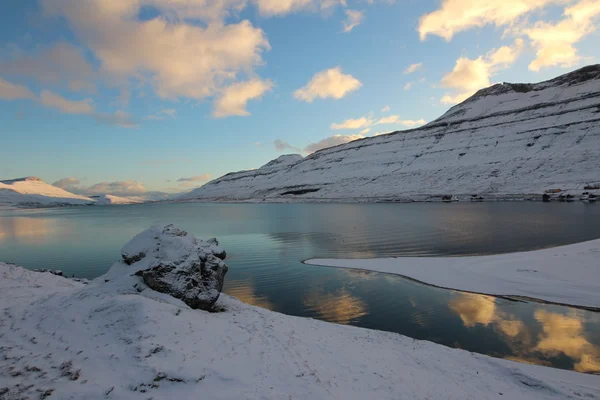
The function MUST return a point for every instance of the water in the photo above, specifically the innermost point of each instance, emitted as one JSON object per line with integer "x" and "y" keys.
{"x": 267, "y": 242}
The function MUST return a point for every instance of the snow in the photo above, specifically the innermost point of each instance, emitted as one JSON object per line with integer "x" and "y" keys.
{"x": 117, "y": 339}
{"x": 505, "y": 140}
{"x": 33, "y": 191}
{"x": 112, "y": 199}
{"x": 564, "y": 275}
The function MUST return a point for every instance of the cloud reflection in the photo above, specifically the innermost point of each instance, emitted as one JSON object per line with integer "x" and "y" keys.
{"x": 338, "y": 307}
{"x": 244, "y": 291}
{"x": 564, "y": 334}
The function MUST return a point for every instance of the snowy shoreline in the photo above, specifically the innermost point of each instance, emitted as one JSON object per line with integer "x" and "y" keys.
{"x": 116, "y": 338}
{"x": 565, "y": 275}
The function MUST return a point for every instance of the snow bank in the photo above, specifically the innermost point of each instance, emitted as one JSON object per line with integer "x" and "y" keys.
{"x": 565, "y": 275}
{"x": 117, "y": 339}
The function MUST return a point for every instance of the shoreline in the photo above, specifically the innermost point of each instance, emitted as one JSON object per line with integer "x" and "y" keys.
{"x": 132, "y": 342}
{"x": 562, "y": 275}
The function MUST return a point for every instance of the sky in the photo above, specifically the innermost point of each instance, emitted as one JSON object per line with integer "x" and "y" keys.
{"x": 129, "y": 96}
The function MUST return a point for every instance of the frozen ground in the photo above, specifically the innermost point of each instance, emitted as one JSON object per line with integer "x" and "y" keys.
{"x": 566, "y": 275}
{"x": 117, "y": 339}
{"x": 506, "y": 140}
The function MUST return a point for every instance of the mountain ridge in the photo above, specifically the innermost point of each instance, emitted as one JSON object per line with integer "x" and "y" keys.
{"x": 543, "y": 133}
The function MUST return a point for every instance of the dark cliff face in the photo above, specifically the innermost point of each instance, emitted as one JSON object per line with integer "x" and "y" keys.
{"x": 506, "y": 139}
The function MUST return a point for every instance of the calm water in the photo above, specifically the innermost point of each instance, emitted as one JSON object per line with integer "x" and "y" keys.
{"x": 267, "y": 242}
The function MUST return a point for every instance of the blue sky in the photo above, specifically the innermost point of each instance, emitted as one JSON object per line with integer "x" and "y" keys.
{"x": 165, "y": 94}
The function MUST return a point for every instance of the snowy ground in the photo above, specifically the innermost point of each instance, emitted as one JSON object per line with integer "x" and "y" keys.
{"x": 565, "y": 275}
{"x": 115, "y": 338}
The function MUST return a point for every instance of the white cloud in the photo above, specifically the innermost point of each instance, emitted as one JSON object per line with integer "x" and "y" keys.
{"x": 554, "y": 43}
{"x": 179, "y": 60}
{"x": 413, "y": 68}
{"x": 282, "y": 145}
{"x": 118, "y": 118}
{"x": 353, "y": 19}
{"x": 11, "y": 91}
{"x": 331, "y": 141}
{"x": 233, "y": 100}
{"x": 332, "y": 83}
{"x": 468, "y": 75}
{"x": 365, "y": 131}
{"x": 58, "y": 102}
{"x": 459, "y": 15}
{"x": 353, "y": 124}
{"x": 408, "y": 86}
{"x": 282, "y": 7}
{"x": 70, "y": 184}
{"x": 117, "y": 188}
{"x": 395, "y": 119}
{"x": 385, "y": 109}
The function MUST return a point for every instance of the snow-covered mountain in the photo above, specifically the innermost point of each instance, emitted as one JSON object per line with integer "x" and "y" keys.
{"x": 506, "y": 139}
{"x": 32, "y": 191}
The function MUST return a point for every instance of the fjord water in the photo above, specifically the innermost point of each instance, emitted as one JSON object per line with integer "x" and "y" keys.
{"x": 266, "y": 244}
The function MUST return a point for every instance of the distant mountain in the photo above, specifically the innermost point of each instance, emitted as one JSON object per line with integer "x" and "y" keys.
{"x": 32, "y": 191}
{"x": 506, "y": 139}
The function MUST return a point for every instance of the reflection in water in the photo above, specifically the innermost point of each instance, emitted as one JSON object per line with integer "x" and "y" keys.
{"x": 474, "y": 309}
{"x": 244, "y": 291}
{"x": 25, "y": 230}
{"x": 338, "y": 307}
{"x": 564, "y": 334}
{"x": 560, "y": 335}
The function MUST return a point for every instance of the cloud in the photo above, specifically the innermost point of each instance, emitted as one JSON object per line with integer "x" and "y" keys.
{"x": 385, "y": 109}
{"x": 459, "y": 15}
{"x": 61, "y": 64}
{"x": 70, "y": 184}
{"x": 408, "y": 86}
{"x": 353, "y": 19}
{"x": 193, "y": 181}
{"x": 554, "y": 43}
{"x": 365, "y": 131}
{"x": 395, "y": 119}
{"x": 117, "y": 188}
{"x": 413, "y": 68}
{"x": 330, "y": 142}
{"x": 468, "y": 75}
{"x": 282, "y": 145}
{"x": 331, "y": 83}
{"x": 52, "y": 100}
{"x": 118, "y": 118}
{"x": 233, "y": 100}
{"x": 11, "y": 91}
{"x": 178, "y": 60}
{"x": 359, "y": 123}
{"x": 366, "y": 123}
{"x": 282, "y": 7}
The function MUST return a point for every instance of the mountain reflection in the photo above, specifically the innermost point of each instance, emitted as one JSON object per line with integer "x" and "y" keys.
{"x": 26, "y": 230}
{"x": 338, "y": 307}
{"x": 548, "y": 335}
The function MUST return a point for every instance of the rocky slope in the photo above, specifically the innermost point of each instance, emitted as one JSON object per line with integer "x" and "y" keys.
{"x": 506, "y": 139}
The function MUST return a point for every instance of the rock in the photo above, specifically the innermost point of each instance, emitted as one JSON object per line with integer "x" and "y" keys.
{"x": 56, "y": 272}
{"x": 171, "y": 261}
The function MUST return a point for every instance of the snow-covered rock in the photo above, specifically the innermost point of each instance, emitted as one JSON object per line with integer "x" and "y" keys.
{"x": 33, "y": 192}
{"x": 173, "y": 262}
{"x": 506, "y": 139}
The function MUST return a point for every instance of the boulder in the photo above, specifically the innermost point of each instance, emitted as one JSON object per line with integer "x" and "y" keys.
{"x": 174, "y": 262}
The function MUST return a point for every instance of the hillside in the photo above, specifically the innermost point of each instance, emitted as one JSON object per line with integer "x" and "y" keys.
{"x": 508, "y": 139}
{"x": 32, "y": 191}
